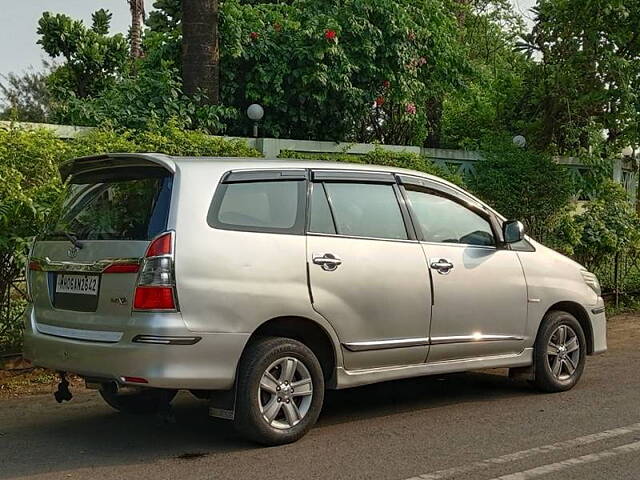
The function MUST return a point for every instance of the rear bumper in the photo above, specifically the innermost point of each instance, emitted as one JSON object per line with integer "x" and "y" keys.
{"x": 210, "y": 364}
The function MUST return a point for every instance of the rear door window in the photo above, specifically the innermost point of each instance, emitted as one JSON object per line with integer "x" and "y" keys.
{"x": 275, "y": 206}
{"x": 366, "y": 210}
{"x": 122, "y": 204}
{"x": 321, "y": 219}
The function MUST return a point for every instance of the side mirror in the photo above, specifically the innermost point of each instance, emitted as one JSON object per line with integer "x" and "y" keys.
{"x": 512, "y": 231}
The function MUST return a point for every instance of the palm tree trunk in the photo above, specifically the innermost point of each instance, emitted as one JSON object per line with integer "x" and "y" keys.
{"x": 200, "y": 53}
{"x": 137, "y": 19}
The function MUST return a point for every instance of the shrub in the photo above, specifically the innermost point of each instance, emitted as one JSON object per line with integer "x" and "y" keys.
{"x": 523, "y": 184}
{"x": 170, "y": 140}
{"x": 609, "y": 227}
{"x": 29, "y": 187}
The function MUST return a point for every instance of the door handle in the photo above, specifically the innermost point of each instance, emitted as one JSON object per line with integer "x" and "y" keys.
{"x": 441, "y": 265}
{"x": 328, "y": 261}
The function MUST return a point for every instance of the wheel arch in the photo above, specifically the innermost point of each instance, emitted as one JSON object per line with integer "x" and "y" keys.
{"x": 307, "y": 331}
{"x": 581, "y": 315}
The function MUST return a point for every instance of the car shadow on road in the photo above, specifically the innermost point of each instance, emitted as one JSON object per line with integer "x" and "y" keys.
{"x": 85, "y": 433}
{"x": 389, "y": 398}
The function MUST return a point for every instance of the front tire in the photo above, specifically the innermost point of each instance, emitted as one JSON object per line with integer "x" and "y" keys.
{"x": 148, "y": 400}
{"x": 560, "y": 352}
{"x": 280, "y": 391}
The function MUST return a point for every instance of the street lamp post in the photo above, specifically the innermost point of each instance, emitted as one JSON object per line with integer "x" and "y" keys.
{"x": 255, "y": 112}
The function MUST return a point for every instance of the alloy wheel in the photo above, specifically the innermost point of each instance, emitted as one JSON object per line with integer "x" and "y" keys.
{"x": 563, "y": 352}
{"x": 285, "y": 393}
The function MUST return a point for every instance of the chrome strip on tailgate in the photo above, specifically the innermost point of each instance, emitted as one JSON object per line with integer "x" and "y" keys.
{"x": 47, "y": 265}
{"x": 76, "y": 334}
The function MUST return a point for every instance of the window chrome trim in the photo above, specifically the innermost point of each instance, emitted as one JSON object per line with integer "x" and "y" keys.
{"x": 462, "y": 245}
{"x": 381, "y": 239}
{"x": 425, "y": 341}
{"x": 384, "y": 344}
{"x": 77, "y": 334}
{"x": 476, "y": 338}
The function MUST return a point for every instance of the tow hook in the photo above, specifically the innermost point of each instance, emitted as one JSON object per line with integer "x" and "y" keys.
{"x": 63, "y": 394}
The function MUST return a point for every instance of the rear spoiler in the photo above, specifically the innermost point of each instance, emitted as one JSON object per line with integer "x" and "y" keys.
{"x": 115, "y": 160}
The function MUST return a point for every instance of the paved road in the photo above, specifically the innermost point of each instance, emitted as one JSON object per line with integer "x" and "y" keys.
{"x": 475, "y": 426}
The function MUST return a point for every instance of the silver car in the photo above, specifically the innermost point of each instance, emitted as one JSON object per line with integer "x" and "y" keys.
{"x": 257, "y": 284}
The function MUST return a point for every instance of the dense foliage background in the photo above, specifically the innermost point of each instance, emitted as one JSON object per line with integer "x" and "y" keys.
{"x": 462, "y": 74}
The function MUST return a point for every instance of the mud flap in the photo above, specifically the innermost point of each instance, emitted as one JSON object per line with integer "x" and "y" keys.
{"x": 222, "y": 403}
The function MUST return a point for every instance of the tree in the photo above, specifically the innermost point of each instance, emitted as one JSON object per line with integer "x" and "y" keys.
{"x": 26, "y": 96}
{"x": 350, "y": 70}
{"x": 200, "y": 53}
{"x": 493, "y": 84}
{"x": 137, "y": 19}
{"x": 588, "y": 75}
{"x": 93, "y": 58}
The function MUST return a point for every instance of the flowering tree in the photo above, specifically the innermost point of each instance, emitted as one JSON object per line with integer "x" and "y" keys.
{"x": 328, "y": 69}
{"x": 340, "y": 70}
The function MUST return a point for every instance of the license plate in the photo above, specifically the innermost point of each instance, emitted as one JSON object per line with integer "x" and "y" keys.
{"x": 77, "y": 284}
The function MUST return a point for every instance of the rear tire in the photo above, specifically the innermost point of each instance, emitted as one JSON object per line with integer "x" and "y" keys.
{"x": 560, "y": 352}
{"x": 280, "y": 391}
{"x": 148, "y": 400}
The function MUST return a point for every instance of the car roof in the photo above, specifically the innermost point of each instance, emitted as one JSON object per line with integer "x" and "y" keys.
{"x": 174, "y": 163}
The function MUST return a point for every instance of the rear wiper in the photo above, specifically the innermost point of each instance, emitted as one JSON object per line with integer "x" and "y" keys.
{"x": 72, "y": 237}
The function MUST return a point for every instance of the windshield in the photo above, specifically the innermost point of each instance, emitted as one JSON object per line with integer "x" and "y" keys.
{"x": 126, "y": 204}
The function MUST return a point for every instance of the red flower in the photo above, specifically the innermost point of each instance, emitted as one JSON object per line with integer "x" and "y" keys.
{"x": 411, "y": 36}
{"x": 386, "y": 84}
{"x": 330, "y": 35}
{"x": 254, "y": 35}
{"x": 380, "y": 101}
{"x": 277, "y": 27}
{"x": 410, "y": 108}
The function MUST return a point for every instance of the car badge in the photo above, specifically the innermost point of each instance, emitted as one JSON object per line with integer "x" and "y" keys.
{"x": 72, "y": 252}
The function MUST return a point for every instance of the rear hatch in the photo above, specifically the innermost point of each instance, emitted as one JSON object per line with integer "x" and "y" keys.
{"x": 83, "y": 273}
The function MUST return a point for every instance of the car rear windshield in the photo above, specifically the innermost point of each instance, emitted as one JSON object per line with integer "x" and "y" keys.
{"x": 117, "y": 204}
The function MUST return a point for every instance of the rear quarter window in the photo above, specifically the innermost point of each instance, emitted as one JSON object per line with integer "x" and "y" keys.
{"x": 276, "y": 206}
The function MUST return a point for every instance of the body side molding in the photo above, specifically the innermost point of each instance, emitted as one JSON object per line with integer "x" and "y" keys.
{"x": 424, "y": 341}
{"x": 354, "y": 378}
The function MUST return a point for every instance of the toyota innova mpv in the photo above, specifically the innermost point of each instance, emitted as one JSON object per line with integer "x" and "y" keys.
{"x": 257, "y": 284}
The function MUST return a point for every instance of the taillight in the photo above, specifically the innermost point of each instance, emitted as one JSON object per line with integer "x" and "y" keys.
{"x": 122, "y": 268}
{"x": 156, "y": 280}
{"x": 154, "y": 298}
{"x": 157, "y": 271}
{"x": 162, "y": 245}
